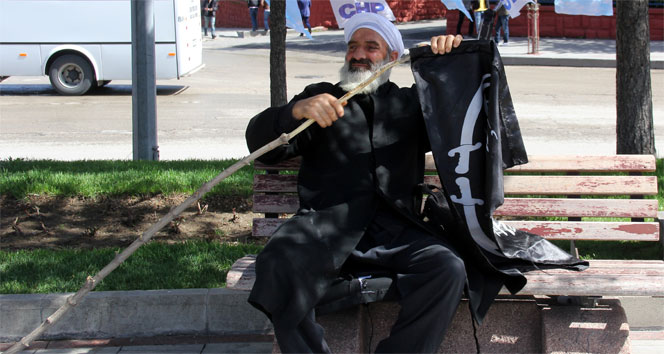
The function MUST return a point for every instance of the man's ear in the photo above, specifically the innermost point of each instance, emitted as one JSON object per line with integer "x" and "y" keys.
{"x": 394, "y": 55}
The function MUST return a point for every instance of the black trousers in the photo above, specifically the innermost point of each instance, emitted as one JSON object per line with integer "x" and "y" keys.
{"x": 430, "y": 279}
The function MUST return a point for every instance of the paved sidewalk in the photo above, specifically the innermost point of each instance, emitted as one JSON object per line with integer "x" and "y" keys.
{"x": 642, "y": 342}
{"x": 178, "y": 344}
{"x": 573, "y": 52}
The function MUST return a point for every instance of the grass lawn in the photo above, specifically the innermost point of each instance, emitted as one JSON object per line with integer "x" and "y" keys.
{"x": 19, "y": 178}
{"x": 191, "y": 264}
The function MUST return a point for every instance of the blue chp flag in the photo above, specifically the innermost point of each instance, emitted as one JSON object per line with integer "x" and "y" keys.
{"x": 293, "y": 17}
{"x": 584, "y": 7}
{"x": 513, "y": 7}
{"x": 345, "y": 9}
{"x": 457, "y": 5}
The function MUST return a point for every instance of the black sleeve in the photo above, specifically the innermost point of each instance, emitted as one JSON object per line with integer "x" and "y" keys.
{"x": 274, "y": 121}
{"x": 425, "y": 144}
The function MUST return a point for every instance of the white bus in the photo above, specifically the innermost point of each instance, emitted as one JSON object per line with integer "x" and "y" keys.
{"x": 82, "y": 44}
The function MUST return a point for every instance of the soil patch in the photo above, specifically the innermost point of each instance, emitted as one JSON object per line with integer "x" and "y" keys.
{"x": 77, "y": 222}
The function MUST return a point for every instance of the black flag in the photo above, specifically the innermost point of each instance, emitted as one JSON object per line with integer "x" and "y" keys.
{"x": 474, "y": 136}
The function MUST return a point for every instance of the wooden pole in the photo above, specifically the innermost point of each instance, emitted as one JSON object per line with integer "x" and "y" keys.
{"x": 91, "y": 282}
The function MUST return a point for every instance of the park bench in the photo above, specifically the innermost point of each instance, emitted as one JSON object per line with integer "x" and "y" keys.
{"x": 598, "y": 198}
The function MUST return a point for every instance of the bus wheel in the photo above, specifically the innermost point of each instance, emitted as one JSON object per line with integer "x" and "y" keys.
{"x": 71, "y": 75}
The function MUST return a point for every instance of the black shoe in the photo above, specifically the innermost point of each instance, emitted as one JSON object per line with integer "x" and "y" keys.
{"x": 213, "y": 36}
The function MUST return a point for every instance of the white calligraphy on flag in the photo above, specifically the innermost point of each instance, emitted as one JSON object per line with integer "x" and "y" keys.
{"x": 584, "y": 7}
{"x": 345, "y": 9}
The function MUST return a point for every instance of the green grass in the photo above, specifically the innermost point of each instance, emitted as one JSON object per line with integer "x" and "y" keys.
{"x": 19, "y": 178}
{"x": 155, "y": 265}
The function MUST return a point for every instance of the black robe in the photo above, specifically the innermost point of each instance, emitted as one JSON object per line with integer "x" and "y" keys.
{"x": 345, "y": 169}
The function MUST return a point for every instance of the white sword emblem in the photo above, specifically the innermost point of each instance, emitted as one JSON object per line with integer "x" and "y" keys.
{"x": 467, "y": 129}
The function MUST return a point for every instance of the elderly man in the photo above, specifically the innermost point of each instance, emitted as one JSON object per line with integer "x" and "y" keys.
{"x": 358, "y": 203}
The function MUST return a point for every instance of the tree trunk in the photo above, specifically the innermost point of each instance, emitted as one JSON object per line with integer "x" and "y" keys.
{"x": 278, "y": 95}
{"x": 634, "y": 128}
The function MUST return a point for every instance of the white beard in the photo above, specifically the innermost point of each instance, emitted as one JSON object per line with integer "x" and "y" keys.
{"x": 351, "y": 79}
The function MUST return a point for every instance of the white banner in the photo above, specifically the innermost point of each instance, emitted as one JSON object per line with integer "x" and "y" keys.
{"x": 345, "y": 9}
{"x": 584, "y": 7}
{"x": 514, "y": 6}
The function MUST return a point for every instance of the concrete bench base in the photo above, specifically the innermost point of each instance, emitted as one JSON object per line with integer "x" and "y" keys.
{"x": 511, "y": 326}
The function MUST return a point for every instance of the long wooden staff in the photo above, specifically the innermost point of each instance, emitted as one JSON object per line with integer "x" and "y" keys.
{"x": 91, "y": 282}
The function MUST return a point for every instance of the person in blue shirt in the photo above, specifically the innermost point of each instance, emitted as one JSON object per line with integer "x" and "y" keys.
{"x": 305, "y": 12}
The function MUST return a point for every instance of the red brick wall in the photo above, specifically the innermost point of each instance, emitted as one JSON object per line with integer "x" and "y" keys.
{"x": 557, "y": 25}
{"x": 234, "y": 13}
{"x": 414, "y": 10}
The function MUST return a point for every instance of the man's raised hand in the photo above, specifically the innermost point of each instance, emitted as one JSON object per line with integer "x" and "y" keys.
{"x": 444, "y": 44}
{"x": 324, "y": 109}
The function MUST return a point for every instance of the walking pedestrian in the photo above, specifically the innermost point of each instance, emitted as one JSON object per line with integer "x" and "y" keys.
{"x": 502, "y": 22}
{"x": 209, "y": 13}
{"x": 266, "y": 14}
{"x": 253, "y": 13}
{"x": 305, "y": 12}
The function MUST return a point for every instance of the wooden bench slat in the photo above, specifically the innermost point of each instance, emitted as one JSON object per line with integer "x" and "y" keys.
{"x": 279, "y": 203}
{"x": 621, "y": 278}
{"x": 614, "y": 208}
{"x": 553, "y": 230}
{"x": 538, "y": 163}
{"x": 576, "y": 284}
{"x": 264, "y": 227}
{"x": 582, "y": 230}
{"x": 275, "y": 183}
{"x": 559, "y": 163}
{"x": 609, "y": 163}
{"x": 288, "y": 165}
{"x": 242, "y": 274}
{"x": 634, "y": 263}
{"x": 515, "y": 185}
{"x": 580, "y": 185}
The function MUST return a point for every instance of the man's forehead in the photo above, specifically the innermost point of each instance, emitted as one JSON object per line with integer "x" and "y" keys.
{"x": 367, "y": 35}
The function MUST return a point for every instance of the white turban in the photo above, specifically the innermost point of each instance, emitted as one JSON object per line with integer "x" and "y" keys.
{"x": 378, "y": 23}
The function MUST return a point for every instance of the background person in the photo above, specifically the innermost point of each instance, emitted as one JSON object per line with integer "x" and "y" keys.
{"x": 209, "y": 14}
{"x": 266, "y": 15}
{"x": 253, "y": 13}
{"x": 305, "y": 12}
{"x": 462, "y": 17}
{"x": 502, "y": 21}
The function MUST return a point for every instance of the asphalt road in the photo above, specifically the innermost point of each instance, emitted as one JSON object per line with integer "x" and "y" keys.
{"x": 562, "y": 110}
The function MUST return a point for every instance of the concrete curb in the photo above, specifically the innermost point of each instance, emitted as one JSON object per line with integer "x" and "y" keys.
{"x": 199, "y": 312}
{"x": 569, "y": 62}
{"x": 143, "y": 313}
